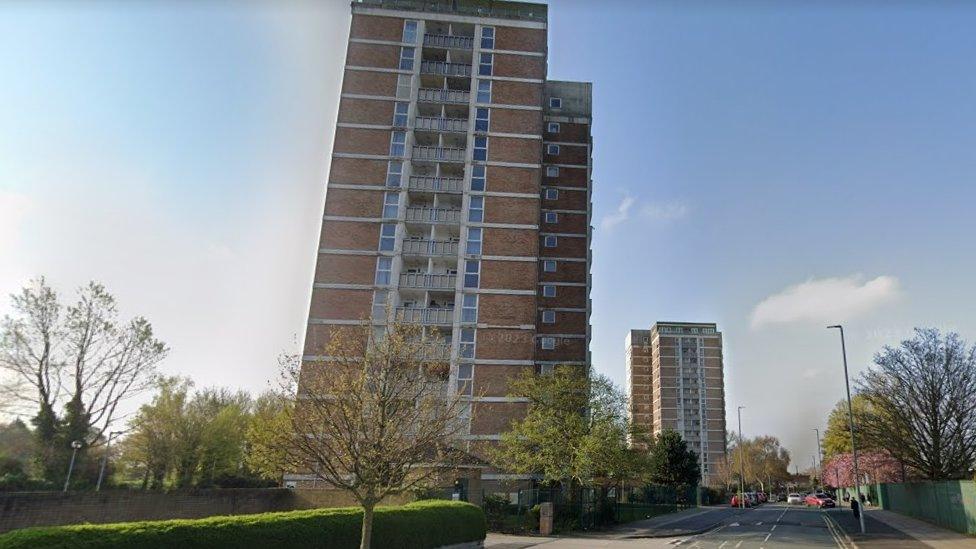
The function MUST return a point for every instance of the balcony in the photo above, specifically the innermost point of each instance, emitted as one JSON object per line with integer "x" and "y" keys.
{"x": 445, "y": 69}
{"x": 448, "y": 41}
{"x": 438, "y": 154}
{"x": 436, "y": 184}
{"x": 423, "y": 214}
{"x": 431, "y": 247}
{"x": 425, "y": 315}
{"x": 438, "y": 124}
{"x": 428, "y": 281}
{"x": 437, "y": 351}
{"x": 433, "y": 95}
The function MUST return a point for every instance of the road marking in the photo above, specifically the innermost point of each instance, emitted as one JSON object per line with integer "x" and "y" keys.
{"x": 737, "y": 545}
{"x": 767, "y": 537}
{"x": 773, "y": 528}
{"x": 759, "y": 523}
{"x": 723, "y": 544}
{"x": 783, "y": 514}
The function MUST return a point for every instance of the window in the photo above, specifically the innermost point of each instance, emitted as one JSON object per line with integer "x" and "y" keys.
{"x": 476, "y": 209}
{"x": 400, "y": 111}
{"x": 387, "y": 237}
{"x": 487, "y": 38}
{"x": 549, "y": 266}
{"x": 384, "y": 268}
{"x": 481, "y": 148}
{"x": 380, "y": 299}
{"x": 391, "y": 204}
{"x": 465, "y": 379}
{"x": 552, "y": 217}
{"x": 551, "y": 241}
{"x": 548, "y": 343}
{"x": 481, "y": 119}
{"x": 484, "y": 91}
{"x": 404, "y": 85}
{"x": 552, "y": 194}
{"x": 548, "y": 291}
{"x": 464, "y": 417}
{"x": 552, "y": 149}
{"x": 555, "y": 103}
{"x": 410, "y": 31}
{"x": 469, "y": 308}
{"x": 478, "y": 178}
{"x": 472, "y": 268}
{"x": 546, "y": 369}
{"x": 474, "y": 241}
{"x": 552, "y": 171}
{"x": 406, "y": 58}
{"x": 548, "y": 317}
{"x": 394, "y": 173}
{"x": 484, "y": 64}
{"x": 398, "y": 144}
{"x": 466, "y": 347}
{"x": 553, "y": 127}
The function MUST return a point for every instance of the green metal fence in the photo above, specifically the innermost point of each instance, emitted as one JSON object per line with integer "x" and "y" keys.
{"x": 950, "y": 504}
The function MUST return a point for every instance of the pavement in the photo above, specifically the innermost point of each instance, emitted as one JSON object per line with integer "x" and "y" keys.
{"x": 768, "y": 526}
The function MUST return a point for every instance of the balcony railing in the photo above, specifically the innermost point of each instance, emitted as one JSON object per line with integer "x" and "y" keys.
{"x": 425, "y": 315}
{"x": 431, "y": 247}
{"x": 448, "y": 154}
{"x": 446, "y": 69}
{"x": 433, "y": 215}
{"x": 429, "y": 281}
{"x": 436, "y": 184}
{"x": 448, "y": 41}
{"x": 434, "y": 95}
{"x": 437, "y": 351}
{"x": 440, "y": 124}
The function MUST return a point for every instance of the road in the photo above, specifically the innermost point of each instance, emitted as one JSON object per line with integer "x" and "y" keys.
{"x": 767, "y": 527}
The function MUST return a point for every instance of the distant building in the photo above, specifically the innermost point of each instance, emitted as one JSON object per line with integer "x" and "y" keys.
{"x": 675, "y": 381}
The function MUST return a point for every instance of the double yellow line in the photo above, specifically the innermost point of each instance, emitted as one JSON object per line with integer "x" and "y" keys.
{"x": 840, "y": 537}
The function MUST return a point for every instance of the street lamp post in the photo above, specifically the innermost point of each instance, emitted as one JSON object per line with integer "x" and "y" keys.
{"x": 108, "y": 447}
{"x": 742, "y": 478}
{"x": 75, "y": 445}
{"x": 819, "y": 460}
{"x": 850, "y": 417}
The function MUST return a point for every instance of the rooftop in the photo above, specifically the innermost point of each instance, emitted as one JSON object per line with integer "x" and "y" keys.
{"x": 477, "y": 8}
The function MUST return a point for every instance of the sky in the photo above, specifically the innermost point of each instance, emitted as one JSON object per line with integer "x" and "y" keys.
{"x": 770, "y": 166}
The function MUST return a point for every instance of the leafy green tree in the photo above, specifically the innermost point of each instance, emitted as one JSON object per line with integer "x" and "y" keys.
{"x": 266, "y": 455}
{"x": 837, "y": 437}
{"x": 575, "y": 429}
{"x": 672, "y": 462}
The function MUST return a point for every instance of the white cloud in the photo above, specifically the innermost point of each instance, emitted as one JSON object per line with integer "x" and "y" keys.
{"x": 826, "y": 300}
{"x": 661, "y": 212}
{"x": 667, "y": 211}
{"x": 622, "y": 214}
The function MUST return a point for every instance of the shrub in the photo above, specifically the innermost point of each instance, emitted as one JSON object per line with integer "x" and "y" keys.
{"x": 418, "y": 525}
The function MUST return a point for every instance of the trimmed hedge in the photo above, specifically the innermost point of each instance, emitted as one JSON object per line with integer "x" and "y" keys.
{"x": 418, "y": 525}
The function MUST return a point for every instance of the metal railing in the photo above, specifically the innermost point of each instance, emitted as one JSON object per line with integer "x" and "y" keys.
{"x": 425, "y": 315}
{"x": 444, "y": 68}
{"x": 437, "y": 123}
{"x": 434, "y": 95}
{"x": 428, "y": 280}
{"x": 430, "y": 247}
{"x": 433, "y": 215}
{"x": 450, "y": 154}
{"x": 448, "y": 41}
{"x": 436, "y": 184}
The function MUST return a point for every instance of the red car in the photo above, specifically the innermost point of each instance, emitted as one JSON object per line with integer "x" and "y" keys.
{"x": 735, "y": 501}
{"x": 822, "y": 501}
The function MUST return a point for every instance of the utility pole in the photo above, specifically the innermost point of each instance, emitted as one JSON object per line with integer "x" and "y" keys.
{"x": 108, "y": 448}
{"x": 819, "y": 459}
{"x": 742, "y": 477}
{"x": 850, "y": 417}
{"x": 75, "y": 445}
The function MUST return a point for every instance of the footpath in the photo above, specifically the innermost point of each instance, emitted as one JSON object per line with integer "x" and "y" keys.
{"x": 887, "y": 529}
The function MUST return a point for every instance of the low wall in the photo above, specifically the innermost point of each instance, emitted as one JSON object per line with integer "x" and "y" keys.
{"x": 950, "y": 504}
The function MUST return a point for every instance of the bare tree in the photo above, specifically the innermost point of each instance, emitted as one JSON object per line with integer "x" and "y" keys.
{"x": 922, "y": 408}
{"x": 377, "y": 418}
{"x": 81, "y": 358}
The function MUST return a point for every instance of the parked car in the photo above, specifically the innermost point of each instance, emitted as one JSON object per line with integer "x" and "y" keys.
{"x": 735, "y": 501}
{"x": 753, "y": 498}
{"x": 820, "y": 500}
{"x": 773, "y": 498}
{"x": 762, "y": 497}
{"x": 794, "y": 499}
